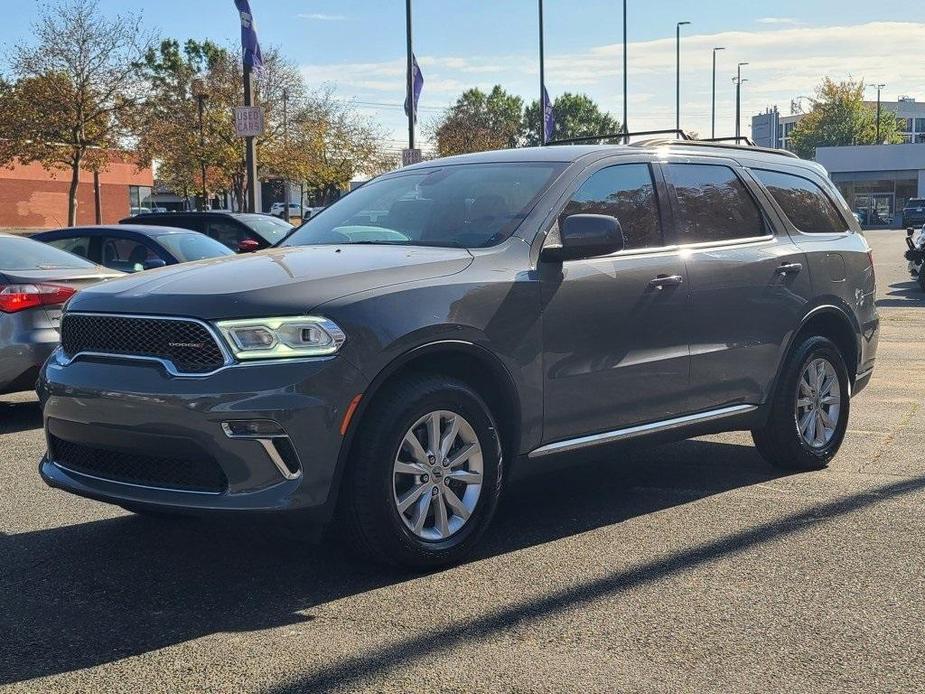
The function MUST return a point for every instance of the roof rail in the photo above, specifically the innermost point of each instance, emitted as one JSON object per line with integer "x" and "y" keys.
{"x": 719, "y": 143}
{"x": 680, "y": 134}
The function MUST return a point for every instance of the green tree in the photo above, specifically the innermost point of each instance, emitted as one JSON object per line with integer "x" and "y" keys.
{"x": 479, "y": 122}
{"x": 576, "y": 116}
{"x": 74, "y": 85}
{"x": 839, "y": 116}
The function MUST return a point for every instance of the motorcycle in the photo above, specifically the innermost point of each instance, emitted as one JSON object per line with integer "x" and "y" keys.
{"x": 915, "y": 239}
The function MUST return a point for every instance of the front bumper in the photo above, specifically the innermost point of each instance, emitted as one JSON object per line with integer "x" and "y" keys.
{"x": 24, "y": 347}
{"x": 136, "y": 412}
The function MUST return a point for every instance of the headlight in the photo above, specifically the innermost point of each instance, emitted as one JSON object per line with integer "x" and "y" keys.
{"x": 275, "y": 338}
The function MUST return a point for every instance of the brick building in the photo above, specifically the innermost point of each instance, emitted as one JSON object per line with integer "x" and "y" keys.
{"x": 32, "y": 197}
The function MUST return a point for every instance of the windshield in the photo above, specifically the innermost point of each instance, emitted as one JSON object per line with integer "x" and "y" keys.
{"x": 466, "y": 206}
{"x": 193, "y": 246}
{"x": 270, "y": 229}
{"x": 26, "y": 254}
{"x": 916, "y": 202}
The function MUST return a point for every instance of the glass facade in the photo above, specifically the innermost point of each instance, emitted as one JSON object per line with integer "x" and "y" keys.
{"x": 139, "y": 198}
{"x": 878, "y": 197}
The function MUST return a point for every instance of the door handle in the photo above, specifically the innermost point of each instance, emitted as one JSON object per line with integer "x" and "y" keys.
{"x": 663, "y": 281}
{"x": 789, "y": 268}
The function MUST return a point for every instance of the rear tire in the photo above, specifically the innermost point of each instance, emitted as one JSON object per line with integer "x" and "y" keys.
{"x": 408, "y": 501}
{"x": 809, "y": 412}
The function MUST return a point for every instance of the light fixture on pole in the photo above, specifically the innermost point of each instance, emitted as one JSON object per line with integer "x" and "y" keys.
{"x": 198, "y": 89}
{"x": 677, "y": 123}
{"x": 738, "y": 81}
{"x": 713, "y": 110}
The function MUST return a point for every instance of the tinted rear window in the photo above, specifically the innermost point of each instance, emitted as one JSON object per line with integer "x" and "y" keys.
{"x": 270, "y": 229}
{"x": 806, "y": 205}
{"x": 26, "y": 254}
{"x": 713, "y": 204}
{"x": 916, "y": 202}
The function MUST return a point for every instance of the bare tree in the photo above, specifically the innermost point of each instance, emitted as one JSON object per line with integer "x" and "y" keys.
{"x": 74, "y": 84}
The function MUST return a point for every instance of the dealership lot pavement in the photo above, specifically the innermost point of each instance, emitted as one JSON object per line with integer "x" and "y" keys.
{"x": 692, "y": 566}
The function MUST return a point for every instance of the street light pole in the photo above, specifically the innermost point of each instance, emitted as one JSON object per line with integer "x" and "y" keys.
{"x": 286, "y": 150}
{"x": 410, "y": 74}
{"x": 713, "y": 110}
{"x": 626, "y": 137}
{"x": 677, "y": 123}
{"x": 879, "y": 87}
{"x": 738, "y": 81}
{"x": 542, "y": 101}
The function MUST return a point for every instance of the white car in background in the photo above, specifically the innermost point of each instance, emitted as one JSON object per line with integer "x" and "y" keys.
{"x": 295, "y": 209}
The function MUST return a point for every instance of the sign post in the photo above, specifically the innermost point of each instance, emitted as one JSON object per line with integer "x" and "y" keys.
{"x": 253, "y": 60}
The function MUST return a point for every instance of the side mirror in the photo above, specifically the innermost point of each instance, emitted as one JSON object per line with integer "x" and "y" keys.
{"x": 153, "y": 263}
{"x": 248, "y": 246}
{"x": 910, "y": 231}
{"x": 586, "y": 236}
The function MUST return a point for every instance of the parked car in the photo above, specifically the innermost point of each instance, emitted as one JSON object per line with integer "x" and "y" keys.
{"x": 134, "y": 247}
{"x": 914, "y": 212}
{"x": 241, "y": 232}
{"x": 510, "y": 307}
{"x": 35, "y": 281}
{"x": 295, "y": 209}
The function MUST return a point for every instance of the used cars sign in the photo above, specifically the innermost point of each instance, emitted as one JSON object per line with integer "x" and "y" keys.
{"x": 248, "y": 121}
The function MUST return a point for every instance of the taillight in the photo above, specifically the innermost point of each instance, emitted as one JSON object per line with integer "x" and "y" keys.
{"x": 19, "y": 297}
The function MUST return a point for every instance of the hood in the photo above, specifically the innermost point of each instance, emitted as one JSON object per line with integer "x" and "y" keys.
{"x": 281, "y": 281}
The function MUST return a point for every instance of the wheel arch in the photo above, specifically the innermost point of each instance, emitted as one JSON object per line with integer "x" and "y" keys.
{"x": 461, "y": 359}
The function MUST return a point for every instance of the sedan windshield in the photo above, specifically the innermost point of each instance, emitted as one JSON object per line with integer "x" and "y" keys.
{"x": 26, "y": 254}
{"x": 193, "y": 246}
{"x": 464, "y": 206}
{"x": 270, "y": 229}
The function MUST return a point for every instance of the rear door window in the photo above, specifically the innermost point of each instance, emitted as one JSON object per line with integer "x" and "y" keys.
{"x": 230, "y": 233}
{"x": 627, "y": 192}
{"x": 126, "y": 255}
{"x": 713, "y": 204}
{"x": 806, "y": 205}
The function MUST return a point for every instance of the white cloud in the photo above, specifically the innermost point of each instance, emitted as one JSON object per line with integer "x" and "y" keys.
{"x": 777, "y": 20}
{"x": 784, "y": 62}
{"x": 321, "y": 17}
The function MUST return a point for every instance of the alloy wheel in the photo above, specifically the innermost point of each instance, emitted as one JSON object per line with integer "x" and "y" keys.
{"x": 818, "y": 403}
{"x": 437, "y": 475}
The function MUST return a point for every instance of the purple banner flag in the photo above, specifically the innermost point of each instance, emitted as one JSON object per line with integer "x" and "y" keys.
{"x": 417, "y": 79}
{"x": 549, "y": 117}
{"x": 250, "y": 46}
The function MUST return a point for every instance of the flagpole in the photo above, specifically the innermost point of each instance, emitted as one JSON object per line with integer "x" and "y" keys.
{"x": 542, "y": 83}
{"x": 626, "y": 138}
{"x": 410, "y": 75}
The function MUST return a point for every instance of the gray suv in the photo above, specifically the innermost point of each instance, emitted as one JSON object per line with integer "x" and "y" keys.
{"x": 381, "y": 371}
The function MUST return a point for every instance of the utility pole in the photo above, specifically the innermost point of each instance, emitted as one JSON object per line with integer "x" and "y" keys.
{"x": 199, "y": 91}
{"x": 542, "y": 101}
{"x": 879, "y": 87}
{"x": 410, "y": 76}
{"x": 738, "y": 81}
{"x": 250, "y": 144}
{"x": 677, "y": 122}
{"x": 626, "y": 137}
{"x": 713, "y": 110}
{"x": 286, "y": 150}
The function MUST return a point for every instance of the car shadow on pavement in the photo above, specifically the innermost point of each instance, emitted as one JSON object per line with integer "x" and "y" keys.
{"x": 903, "y": 295}
{"x": 16, "y": 416}
{"x": 88, "y": 594}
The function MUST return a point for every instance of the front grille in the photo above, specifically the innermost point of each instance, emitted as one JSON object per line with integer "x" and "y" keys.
{"x": 194, "y": 475}
{"x": 188, "y": 345}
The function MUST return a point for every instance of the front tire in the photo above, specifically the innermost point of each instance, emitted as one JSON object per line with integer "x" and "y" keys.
{"x": 809, "y": 412}
{"x": 424, "y": 474}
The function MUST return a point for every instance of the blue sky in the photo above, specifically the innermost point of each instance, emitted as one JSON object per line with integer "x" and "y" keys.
{"x": 359, "y": 46}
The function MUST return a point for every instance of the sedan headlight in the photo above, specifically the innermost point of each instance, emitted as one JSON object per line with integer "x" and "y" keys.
{"x": 276, "y": 338}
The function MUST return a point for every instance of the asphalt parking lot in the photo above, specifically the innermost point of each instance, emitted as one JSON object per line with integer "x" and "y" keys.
{"x": 692, "y": 566}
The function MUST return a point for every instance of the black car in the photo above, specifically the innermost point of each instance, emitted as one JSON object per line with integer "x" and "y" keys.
{"x": 914, "y": 212}
{"x": 241, "y": 232}
{"x": 134, "y": 247}
{"x": 386, "y": 365}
